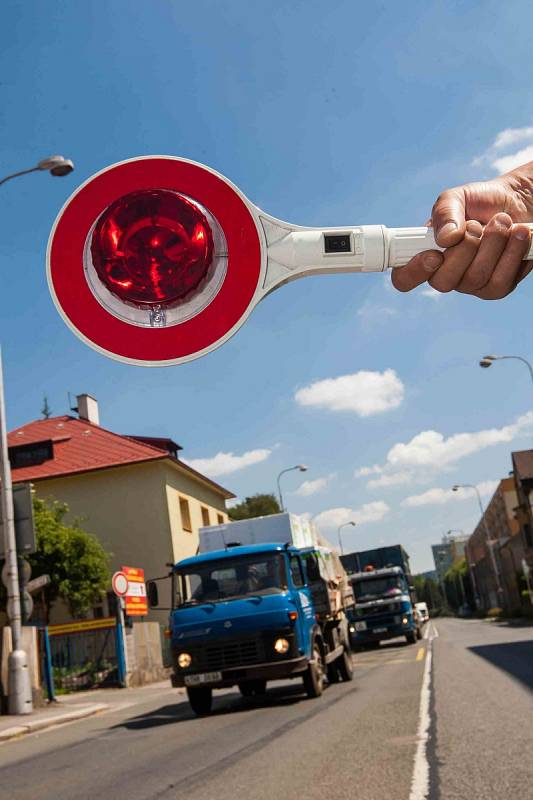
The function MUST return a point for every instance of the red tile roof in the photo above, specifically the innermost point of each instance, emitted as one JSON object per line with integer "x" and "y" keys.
{"x": 79, "y": 446}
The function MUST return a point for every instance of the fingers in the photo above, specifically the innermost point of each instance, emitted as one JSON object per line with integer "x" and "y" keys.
{"x": 418, "y": 270}
{"x": 448, "y": 217}
{"x": 493, "y": 244}
{"x": 458, "y": 259}
{"x": 509, "y": 268}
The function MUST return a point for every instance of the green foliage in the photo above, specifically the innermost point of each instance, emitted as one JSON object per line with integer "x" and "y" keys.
{"x": 259, "y": 505}
{"x": 75, "y": 560}
{"x": 427, "y": 591}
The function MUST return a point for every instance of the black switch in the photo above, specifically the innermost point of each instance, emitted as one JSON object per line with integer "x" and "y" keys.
{"x": 337, "y": 243}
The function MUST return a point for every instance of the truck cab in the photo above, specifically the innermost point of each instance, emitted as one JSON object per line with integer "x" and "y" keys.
{"x": 384, "y": 607}
{"x": 250, "y": 614}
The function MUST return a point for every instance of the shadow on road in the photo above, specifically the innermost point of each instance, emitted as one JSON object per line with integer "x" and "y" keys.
{"x": 223, "y": 704}
{"x": 516, "y": 658}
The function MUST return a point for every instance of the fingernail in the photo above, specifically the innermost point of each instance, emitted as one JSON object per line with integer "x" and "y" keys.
{"x": 503, "y": 221}
{"x": 474, "y": 230}
{"x": 447, "y": 229}
{"x": 521, "y": 233}
{"x": 431, "y": 261}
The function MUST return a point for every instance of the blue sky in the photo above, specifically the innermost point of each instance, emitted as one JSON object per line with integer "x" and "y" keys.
{"x": 324, "y": 114}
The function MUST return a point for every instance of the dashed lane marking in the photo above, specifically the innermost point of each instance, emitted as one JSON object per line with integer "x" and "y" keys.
{"x": 420, "y": 654}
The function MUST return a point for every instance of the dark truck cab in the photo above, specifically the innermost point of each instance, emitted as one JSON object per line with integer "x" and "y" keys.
{"x": 384, "y": 597}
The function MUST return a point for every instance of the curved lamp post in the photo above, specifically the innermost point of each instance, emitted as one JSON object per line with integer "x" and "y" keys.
{"x": 487, "y": 361}
{"x": 339, "y": 533}
{"x": 301, "y": 468}
{"x": 19, "y": 686}
{"x": 490, "y": 542}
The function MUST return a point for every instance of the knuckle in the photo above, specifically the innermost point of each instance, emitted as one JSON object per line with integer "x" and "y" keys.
{"x": 441, "y": 284}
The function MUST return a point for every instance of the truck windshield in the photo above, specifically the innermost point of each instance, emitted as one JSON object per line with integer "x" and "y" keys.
{"x": 230, "y": 579}
{"x": 370, "y": 588}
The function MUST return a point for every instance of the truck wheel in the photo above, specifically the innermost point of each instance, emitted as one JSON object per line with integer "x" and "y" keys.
{"x": 411, "y": 637}
{"x": 315, "y": 674}
{"x": 345, "y": 666}
{"x": 333, "y": 673}
{"x": 200, "y": 699}
{"x": 252, "y": 688}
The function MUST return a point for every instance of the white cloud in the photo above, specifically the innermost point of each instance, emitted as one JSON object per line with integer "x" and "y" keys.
{"x": 432, "y": 293}
{"x": 502, "y": 155}
{"x": 391, "y": 479}
{"x": 441, "y": 496}
{"x": 308, "y": 488}
{"x": 429, "y": 452}
{"x": 373, "y": 315}
{"x": 370, "y": 512}
{"x": 431, "y": 448}
{"x": 364, "y": 393}
{"x": 226, "y": 463}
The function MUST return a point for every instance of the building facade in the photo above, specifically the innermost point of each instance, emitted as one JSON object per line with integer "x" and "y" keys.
{"x": 133, "y": 493}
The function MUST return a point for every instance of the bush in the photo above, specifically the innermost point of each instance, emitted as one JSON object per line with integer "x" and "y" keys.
{"x": 495, "y": 613}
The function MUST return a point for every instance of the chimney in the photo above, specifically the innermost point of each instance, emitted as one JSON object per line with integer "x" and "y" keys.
{"x": 88, "y": 408}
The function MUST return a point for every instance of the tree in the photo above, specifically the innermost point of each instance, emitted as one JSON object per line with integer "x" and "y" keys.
{"x": 427, "y": 591}
{"x": 46, "y": 411}
{"x": 75, "y": 560}
{"x": 259, "y": 505}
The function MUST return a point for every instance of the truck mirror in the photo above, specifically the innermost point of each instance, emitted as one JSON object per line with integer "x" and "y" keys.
{"x": 152, "y": 594}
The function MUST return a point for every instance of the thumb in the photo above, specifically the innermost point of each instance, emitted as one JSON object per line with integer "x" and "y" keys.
{"x": 448, "y": 217}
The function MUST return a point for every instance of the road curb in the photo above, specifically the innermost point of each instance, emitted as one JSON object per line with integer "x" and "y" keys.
{"x": 32, "y": 726}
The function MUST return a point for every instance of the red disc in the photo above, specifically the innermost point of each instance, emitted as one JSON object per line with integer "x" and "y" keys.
{"x": 158, "y": 345}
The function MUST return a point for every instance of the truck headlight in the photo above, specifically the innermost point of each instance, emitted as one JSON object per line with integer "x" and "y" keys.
{"x": 184, "y": 660}
{"x": 352, "y": 629}
{"x": 405, "y": 621}
{"x": 281, "y": 646}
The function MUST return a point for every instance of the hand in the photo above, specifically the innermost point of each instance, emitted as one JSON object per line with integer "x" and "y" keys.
{"x": 479, "y": 225}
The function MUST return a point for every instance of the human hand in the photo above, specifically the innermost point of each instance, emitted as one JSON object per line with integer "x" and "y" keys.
{"x": 479, "y": 224}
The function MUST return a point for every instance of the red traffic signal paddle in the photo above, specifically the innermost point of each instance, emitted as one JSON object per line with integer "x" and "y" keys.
{"x": 159, "y": 260}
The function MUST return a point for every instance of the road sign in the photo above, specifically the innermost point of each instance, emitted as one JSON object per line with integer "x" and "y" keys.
{"x": 136, "y": 601}
{"x": 159, "y": 260}
{"x": 24, "y": 523}
{"x": 38, "y": 583}
{"x": 119, "y": 582}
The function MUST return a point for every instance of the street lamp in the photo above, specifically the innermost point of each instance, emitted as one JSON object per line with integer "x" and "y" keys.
{"x": 301, "y": 468}
{"x": 344, "y": 524}
{"x": 487, "y": 362}
{"x": 490, "y": 542}
{"x": 55, "y": 165}
{"x": 19, "y": 685}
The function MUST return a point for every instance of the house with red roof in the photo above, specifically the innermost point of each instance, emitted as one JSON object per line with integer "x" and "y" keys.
{"x": 134, "y": 493}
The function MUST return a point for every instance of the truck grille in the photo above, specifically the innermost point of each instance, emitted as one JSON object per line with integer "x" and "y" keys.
{"x": 233, "y": 654}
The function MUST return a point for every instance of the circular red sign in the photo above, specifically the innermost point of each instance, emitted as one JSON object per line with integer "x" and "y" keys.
{"x": 119, "y": 582}
{"x": 158, "y": 346}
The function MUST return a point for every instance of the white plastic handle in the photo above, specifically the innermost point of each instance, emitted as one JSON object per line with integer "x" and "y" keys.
{"x": 404, "y": 243}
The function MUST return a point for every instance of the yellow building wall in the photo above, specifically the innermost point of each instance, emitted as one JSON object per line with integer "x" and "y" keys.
{"x": 134, "y": 511}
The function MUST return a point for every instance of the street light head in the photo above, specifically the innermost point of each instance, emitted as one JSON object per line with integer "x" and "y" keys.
{"x": 56, "y": 165}
{"x": 352, "y": 523}
{"x": 485, "y": 362}
{"x": 455, "y": 488}
{"x": 302, "y": 467}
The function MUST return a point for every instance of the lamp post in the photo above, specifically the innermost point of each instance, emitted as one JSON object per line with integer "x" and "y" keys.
{"x": 344, "y": 524}
{"x": 19, "y": 684}
{"x": 487, "y": 362}
{"x": 490, "y": 542}
{"x": 301, "y": 468}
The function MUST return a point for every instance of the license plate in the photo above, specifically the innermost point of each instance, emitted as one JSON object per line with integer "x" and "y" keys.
{"x": 380, "y": 630}
{"x": 203, "y": 677}
{"x": 360, "y": 626}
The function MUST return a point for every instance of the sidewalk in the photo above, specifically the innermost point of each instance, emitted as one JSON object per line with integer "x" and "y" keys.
{"x": 71, "y": 707}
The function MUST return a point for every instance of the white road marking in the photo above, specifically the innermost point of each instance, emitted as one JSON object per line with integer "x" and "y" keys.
{"x": 420, "y": 779}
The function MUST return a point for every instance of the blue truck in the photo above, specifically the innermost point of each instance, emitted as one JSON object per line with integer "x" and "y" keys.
{"x": 250, "y": 613}
{"x": 384, "y": 597}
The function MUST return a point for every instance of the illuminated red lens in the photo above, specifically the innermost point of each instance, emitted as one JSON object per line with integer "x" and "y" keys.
{"x": 152, "y": 247}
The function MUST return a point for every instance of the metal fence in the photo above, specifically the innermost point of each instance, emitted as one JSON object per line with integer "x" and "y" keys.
{"x": 84, "y": 659}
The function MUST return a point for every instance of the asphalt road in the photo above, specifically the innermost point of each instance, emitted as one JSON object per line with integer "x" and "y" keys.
{"x": 358, "y": 740}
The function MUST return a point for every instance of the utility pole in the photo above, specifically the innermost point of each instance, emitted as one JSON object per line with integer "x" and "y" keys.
{"x": 19, "y": 684}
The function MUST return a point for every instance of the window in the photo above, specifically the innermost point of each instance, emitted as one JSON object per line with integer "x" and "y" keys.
{"x": 232, "y": 578}
{"x": 205, "y": 517}
{"x": 296, "y": 572}
{"x": 31, "y": 454}
{"x": 185, "y": 515}
{"x": 220, "y": 519}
